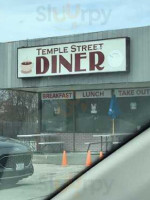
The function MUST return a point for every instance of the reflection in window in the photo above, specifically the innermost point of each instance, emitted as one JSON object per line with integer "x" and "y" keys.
{"x": 92, "y": 115}
{"x": 134, "y": 113}
{"x": 57, "y": 115}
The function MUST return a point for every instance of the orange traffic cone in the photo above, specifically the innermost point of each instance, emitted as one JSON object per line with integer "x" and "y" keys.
{"x": 88, "y": 159}
{"x": 101, "y": 155}
{"x": 64, "y": 159}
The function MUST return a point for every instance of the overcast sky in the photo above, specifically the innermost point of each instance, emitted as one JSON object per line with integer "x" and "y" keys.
{"x": 27, "y": 19}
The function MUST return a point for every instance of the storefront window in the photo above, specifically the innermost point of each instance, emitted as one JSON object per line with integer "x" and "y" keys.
{"x": 135, "y": 111}
{"x": 92, "y": 111}
{"x": 92, "y": 115}
{"x": 87, "y": 111}
{"x": 57, "y": 114}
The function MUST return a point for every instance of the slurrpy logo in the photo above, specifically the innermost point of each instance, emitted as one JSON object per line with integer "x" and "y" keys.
{"x": 72, "y": 16}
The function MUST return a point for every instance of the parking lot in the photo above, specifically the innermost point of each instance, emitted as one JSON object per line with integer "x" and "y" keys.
{"x": 46, "y": 179}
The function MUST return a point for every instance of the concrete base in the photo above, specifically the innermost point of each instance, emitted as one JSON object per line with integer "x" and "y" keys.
{"x": 73, "y": 158}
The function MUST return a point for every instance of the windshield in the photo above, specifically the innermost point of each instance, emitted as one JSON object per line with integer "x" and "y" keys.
{"x": 74, "y": 86}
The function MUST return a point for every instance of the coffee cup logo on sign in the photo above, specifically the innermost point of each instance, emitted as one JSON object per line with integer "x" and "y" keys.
{"x": 26, "y": 67}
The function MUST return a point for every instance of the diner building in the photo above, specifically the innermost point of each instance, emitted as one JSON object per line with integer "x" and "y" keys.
{"x": 75, "y": 77}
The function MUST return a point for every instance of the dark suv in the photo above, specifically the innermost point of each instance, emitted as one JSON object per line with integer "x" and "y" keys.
{"x": 15, "y": 161}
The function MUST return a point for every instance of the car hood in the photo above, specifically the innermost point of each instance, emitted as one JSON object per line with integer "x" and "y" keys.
{"x": 12, "y": 146}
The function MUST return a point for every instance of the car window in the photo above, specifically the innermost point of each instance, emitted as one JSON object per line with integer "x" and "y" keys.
{"x": 74, "y": 87}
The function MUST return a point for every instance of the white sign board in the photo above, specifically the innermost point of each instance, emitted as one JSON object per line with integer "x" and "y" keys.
{"x": 132, "y": 92}
{"x": 93, "y": 94}
{"x": 111, "y": 55}
{"x": 57, "y": 95}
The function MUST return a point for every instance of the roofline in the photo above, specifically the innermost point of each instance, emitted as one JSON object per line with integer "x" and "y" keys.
{"x": 71, "y": 35}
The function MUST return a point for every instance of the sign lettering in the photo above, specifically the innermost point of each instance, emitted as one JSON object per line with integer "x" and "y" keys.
{"x": 74, "y": 58}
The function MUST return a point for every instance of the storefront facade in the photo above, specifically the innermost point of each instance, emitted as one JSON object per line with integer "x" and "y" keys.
{"x": 75, "y": 77}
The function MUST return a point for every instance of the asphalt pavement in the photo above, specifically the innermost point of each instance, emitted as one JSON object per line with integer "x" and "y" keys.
{"x": 46, "y": 179}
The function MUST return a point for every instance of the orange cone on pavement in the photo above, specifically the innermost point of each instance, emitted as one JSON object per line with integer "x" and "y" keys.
{"x": 64, "y": 159}
{"x": 101, "y": 155}
{"x": 88, "y": 159}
